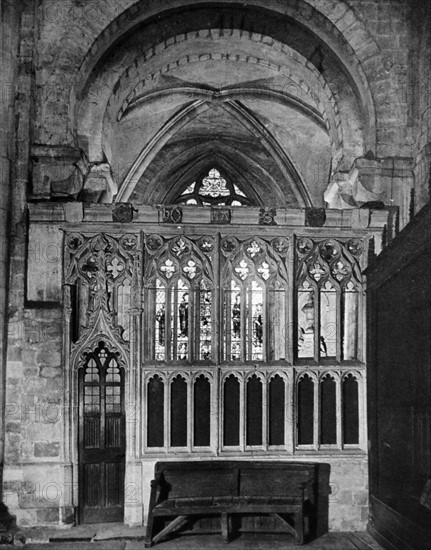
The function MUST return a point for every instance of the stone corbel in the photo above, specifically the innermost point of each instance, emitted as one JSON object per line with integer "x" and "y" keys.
{"x": 55, "y": 173}
{"x": 369, "y": 183}
{"x": 65, "y": 173}
{"x": 358, "y": 186}
{"x": 99, "y": 185}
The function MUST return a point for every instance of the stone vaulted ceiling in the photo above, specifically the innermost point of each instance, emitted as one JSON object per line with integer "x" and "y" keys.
{"x": 255, "y": 93}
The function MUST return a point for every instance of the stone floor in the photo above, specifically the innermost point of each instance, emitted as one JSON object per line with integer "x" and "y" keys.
{"x": 119, "y": 537}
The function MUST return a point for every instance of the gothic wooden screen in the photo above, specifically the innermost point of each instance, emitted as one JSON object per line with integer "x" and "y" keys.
{"x": 246, "y": 343}
{"x": 226, "y": 318}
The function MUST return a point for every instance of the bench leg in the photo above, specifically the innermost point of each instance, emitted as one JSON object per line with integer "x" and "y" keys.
{"x": 175, "y": 524}
{"x": 299, "y": 528}
{"x": 224, "y": 520}
{"x": 149, "y": 534}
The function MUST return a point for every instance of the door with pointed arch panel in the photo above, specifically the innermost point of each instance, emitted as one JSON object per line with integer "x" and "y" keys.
{"x": 102, "y": 438}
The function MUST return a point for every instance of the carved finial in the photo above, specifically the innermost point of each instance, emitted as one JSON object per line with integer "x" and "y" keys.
{"x": 397, "y": 221}
{"x": 371, "y": 249}
{"x": 385, "y": 237}
{"x": 412, "y": 204}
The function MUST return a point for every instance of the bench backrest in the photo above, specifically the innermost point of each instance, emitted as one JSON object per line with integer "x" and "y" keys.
{"x": 194, "y": 479}
{"x": 198, "y": 482}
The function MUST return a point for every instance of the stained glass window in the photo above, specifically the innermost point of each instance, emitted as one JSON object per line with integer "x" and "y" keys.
{"x": 244, "y": 319}
{"x": 205, "y": 322}
{"x": 306, "y": 314}
{"x": 212, "y": 190}
{"x": 255, "y": 325}
{"x": 328, "y": 321}
{"x": 160, "y": 321}
{"x": 214, "y": 185}
{"x": 327, "y": 300}
{"x": 181, "y": 306}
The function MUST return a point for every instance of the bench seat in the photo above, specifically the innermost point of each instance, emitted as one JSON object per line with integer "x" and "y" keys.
{"x": 186, "y": 490}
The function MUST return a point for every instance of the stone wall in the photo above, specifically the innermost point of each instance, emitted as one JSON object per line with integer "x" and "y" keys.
{"x": 422, "y": 168}
{"x": 8, "y": 47}
{"x": 34, "y": 416}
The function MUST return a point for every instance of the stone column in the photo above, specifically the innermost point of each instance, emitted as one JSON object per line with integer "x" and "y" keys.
{"x": 8, "y": 55}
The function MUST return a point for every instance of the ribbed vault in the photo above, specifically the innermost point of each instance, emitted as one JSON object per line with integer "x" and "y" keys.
{"x": 249, "y": 88}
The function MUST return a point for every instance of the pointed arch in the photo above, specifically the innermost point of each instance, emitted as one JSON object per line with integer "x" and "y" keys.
{"x": 243, "y": 117}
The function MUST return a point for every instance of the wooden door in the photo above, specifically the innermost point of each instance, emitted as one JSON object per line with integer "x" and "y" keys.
{"x": 101, "y": 438}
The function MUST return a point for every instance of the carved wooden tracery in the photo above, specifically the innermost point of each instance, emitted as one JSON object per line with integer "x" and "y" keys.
{"x": 255, "y": 289}
{"x": 179, "y": 292}
{"x": 100, "y": 271}
{"x": 328, "y": 284}
{"x": 216, "y": 377}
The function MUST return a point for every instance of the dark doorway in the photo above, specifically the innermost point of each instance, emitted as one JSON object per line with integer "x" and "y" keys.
{"x": 101, "y": 438}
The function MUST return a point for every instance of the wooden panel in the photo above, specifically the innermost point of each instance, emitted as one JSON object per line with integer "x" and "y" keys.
{"x": 179, "y": 413}
{"x": 328, "y": 412}
{"x": 196, "y": 483}
{"x": 273, "y": 482}
{"x": 202, "y": 413}
{"x": 276, "y": 411}
{"x": 114, "y": 431}
{"x": 254, "y": 411}
{"x": 155, "y": 412}
{"x": 305, "y": 411}
{"x": 92, "y": 489}
{"x": 350, "y": 411}
{"x": 92, "y": 432}
{"x": 231, "y": 412}
{"x": 399, "y": 386}
{"x": 114, "y": 485}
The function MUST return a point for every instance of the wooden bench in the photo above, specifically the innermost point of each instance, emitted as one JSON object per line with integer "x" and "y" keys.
{"x": 182, "y": 491}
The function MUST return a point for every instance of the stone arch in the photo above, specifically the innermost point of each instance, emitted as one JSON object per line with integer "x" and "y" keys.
{"x": 331, "y": 23}
{"x": 244, "y": 118}
{"x": 219, "y": 157}
{"x": 266, "y": 40}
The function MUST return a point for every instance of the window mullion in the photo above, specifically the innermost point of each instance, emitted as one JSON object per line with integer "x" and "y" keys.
{"x": 265, "y": 413}
{"x": 317, "y": 416}
{"x": 227, "y": 330}
{"x": 265, "y": 321}
{"x": 317, "y": 330}
{"x": 243, "y": 327}
{"x": 174, "y": 324}
{"x": 249, "y": 321}
{"x": 193, "y": 329}
{"x": 339, "y": 329}
{"x": 168, "y": 323}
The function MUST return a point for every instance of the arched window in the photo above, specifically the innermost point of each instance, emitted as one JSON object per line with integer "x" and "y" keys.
{"x": 328, "y": 287}
{"x": 213, "y": 190}
{"x": 181, "y": 312}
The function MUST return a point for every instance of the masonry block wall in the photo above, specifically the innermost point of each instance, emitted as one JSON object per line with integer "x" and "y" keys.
{"x": 386, "y": 45}
{"x": 8, "y": 49}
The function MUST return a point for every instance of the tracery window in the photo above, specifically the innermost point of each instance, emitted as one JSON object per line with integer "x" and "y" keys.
{"x": 328, "y": 286}
{"x": 183, "y": 292}
{"x": 180, "y": 297}
{"x": 213, "y": 190}
{"x": 254, "y": 301}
